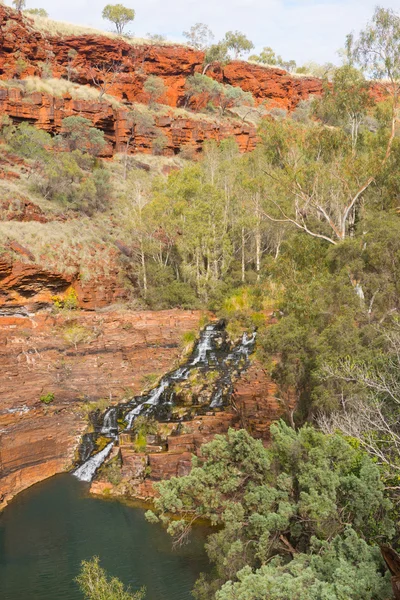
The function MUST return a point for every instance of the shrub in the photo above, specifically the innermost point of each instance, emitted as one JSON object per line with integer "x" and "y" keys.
{"x": 144, "y": 426}
{"x": 155, "y": 89}
{"x": 78, "y": 133}
{"x": 95, "y": 585}
{"x": 27, "y": 141}
{"x": 47, "y": 398}
{"x": 160, "y": 142}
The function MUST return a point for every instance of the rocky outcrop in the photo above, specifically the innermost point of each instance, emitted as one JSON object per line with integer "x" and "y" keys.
{"x": 174, "y": 63}
{"x": 80, "y": 360}
{"x": 25, "y": 287}
{"x": 47, "y": 112}
{"x": 25, "y": 50}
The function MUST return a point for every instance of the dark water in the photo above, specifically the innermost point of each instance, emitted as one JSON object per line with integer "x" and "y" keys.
{"x": 49, "y": 529}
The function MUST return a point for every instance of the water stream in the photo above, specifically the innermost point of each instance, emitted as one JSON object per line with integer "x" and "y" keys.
{"x": 213, "y": 353}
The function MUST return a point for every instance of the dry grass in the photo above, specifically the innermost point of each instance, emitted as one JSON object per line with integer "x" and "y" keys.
{"x": 64, "y": 247}
{"x": 60, "y": 88}
{"x": 64, "y": 29}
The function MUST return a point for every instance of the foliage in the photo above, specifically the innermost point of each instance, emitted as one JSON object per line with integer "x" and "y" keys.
{"x": 345, "y": 569}
{"x": 199, "y": 36}
{"x": 47, "y": 398}
{"x": 155, "y": 89}
{"x": 40, "y": 12}
{"x": 75, "y": 334}
{"x": 69, "y": 302}
{"x": 268, "y": 57}
{"x": 95, "y": 585}
{"x": 156, "y": 38}
{"x": 119, "y": 15}
{"x": 144, "y": 426}
{"x": 27, "y": 141}
{"x": 218, "y": 53}
{"x": 238, "y": 43}
{"x": 308, "y": 493}
{"x": 19, "y": 4}
{"x": 223, "y": 96}
{"x": 346, "y": 100}
{"x": 78, "y": 133}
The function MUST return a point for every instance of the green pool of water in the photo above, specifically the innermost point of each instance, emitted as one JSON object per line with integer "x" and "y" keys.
{"x": 49, "y": 529}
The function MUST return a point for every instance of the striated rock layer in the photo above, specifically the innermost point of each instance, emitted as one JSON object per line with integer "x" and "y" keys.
{"x": 174, "y": 63}
{"x": 25, "y": 287}
{"x": 47, "y": 112}
{"x": 25, "y": 51}
{"x": 79, "y": 359}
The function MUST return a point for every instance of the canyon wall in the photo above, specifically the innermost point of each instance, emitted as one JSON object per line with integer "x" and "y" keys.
{"x": 80, "y": 359}
{"x": 47, "y": 112}
{"x": 25, "y": 50}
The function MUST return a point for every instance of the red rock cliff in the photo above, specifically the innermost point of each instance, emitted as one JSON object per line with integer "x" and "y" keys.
{"x": 38, "y": 356}
{"x": 23, "y": 45}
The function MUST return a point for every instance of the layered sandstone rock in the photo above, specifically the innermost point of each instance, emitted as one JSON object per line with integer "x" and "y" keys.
{"x": 89, "y": 357}
{"x": 47, "y": 112}
{"x": 25, "y": 286}
{"x": 174, "y": 63}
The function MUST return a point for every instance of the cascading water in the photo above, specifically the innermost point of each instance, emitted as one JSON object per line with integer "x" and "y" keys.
{"x": 87, "y": 471}
{"x": 213, "y": 352}
{"x": 110, "y": 425}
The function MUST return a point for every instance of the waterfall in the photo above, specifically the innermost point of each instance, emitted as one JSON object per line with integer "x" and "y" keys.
{"x": 213, "y": 344}
{"x": 130, "y": 416}
{"x": 87, "y": 471}
{"x": 217, "y": 399}
{"x": 204, "y": 346}
{"x": 110, "y": 425}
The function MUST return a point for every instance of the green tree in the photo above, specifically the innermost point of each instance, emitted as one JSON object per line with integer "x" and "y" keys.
{"x": 238, "y": 43}
{"x": 119, "y": 15}
{"x": 346, "y": 100}
{"x": 28, "y": 141}
{"x": 19, "y": 4}
{"x": 308, "y": 494}
{"x": 345, "y": 569}
{"x": 155, "y": 89}
{"x": 95, "y": 585}
{"x": 38, "y": 12}
{"x": 78, "y": 133}
{"x": 268, "y": 57}
{"x": 216, "y": 53}
{"x": 71, "y": 57}
{"x": 199, "y": 36}
{"x": 377, "y": 50}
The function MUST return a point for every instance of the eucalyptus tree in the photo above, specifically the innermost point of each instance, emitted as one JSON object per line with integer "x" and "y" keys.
{"x": 118, "y": 14}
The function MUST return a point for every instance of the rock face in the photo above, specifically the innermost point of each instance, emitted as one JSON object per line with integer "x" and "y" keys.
{"x": 26, "y": 287}
{"x": 82, "y": 360}
{"x": 23, "y": 45}
{"x": 174, "y": 63}
{"x": 47, "y": 112}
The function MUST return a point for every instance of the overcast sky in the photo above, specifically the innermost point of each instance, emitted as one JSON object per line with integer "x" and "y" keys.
{"x": 303, "y": 30}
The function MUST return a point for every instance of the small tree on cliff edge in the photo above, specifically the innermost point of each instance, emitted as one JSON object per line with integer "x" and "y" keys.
{"x": 119, "y": 15}
{"x": 19, "y": 4}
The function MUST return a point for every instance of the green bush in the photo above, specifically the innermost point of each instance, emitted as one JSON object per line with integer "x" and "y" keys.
{"x": 47, "y": 398}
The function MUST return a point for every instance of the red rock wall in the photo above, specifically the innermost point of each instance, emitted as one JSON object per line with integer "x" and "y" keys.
{"x": 173, "y": 63}
{"x": 47, "y": 112}
{"x": 36, "y": 358}
{"x": 26, "y": 287}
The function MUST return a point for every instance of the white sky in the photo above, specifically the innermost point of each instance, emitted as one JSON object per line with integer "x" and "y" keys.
{"x": 303, "y": 30}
